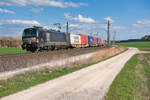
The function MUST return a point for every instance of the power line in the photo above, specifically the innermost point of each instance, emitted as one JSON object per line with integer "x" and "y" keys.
{"x": 114, "y": 37}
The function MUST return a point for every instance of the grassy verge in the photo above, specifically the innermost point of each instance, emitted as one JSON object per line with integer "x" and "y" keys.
{"x": 133, "y": 82}
{"x": 5, "y": 51}
{"x": 25, "y": 81}
{"x": 144, "y": 49}
{"x": 145, "y": 46}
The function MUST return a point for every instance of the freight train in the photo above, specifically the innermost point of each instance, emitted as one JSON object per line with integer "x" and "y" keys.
{"x": 38, "y": 38}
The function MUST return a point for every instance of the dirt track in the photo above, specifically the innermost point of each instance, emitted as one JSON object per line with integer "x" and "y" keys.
{"x": 90, "y": 83}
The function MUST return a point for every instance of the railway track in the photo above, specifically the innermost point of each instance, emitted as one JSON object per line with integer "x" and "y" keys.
{"x": 17, "y": 61}
{"x": 50, "y": 52}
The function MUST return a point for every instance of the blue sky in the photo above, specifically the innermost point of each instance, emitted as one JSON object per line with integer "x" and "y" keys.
{"x": 129, "y": 18}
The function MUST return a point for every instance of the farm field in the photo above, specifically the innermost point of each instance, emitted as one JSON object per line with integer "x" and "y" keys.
{"x": 5, "y": 51}
{"x": 132, "y": 83}
{"x": 140, "y": 45}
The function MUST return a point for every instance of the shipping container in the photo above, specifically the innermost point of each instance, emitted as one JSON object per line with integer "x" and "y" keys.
{"x": 95, "y": 40}
{"x": 91, "y": 40}
{"x": 75, "y": 39}
{"x": 84, "y": 39}
{"x": 102, "y": 41}
{"x": 98, "y": 41}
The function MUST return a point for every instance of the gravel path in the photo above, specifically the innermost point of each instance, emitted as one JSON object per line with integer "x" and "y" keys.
{"x": 144, "y": 52}
{"x": 90, "y": 83}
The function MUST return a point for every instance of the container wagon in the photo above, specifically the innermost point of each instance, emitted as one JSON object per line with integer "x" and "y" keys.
{"x": 91, "y": 41}
{"x": 75, "y": 40}
{"x": 102, "y": 42}
{"x": 95, "y": 42}
{"x": 84, "y": 40}
{"x": 98, "y": 42}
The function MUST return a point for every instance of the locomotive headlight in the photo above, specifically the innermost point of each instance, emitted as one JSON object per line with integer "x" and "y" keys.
{"x": 37, "y": 40}
{"x": 33, "y": 39}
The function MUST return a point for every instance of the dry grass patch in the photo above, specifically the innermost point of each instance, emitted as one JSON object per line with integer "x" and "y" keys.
{"x": 102, "y": 54}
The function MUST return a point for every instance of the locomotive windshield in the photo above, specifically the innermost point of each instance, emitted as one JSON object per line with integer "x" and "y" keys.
{"x": 30, "y": 32}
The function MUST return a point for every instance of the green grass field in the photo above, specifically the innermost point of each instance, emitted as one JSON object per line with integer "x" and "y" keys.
{"x": 133, "y": 82}
{"x": 5, "y": 51}
{"x": 141, "y": 45}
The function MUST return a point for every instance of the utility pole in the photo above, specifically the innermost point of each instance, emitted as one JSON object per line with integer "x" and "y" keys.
{"x": 67, "y": 27}
{"x": 67, "y": 32}
{"x": 108, "y": 32}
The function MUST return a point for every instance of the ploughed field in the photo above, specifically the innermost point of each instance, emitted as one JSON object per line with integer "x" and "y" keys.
{"x": 140, "y": 45}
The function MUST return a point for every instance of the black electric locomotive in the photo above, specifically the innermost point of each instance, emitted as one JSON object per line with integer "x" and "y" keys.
{"x": 38, "y": 38}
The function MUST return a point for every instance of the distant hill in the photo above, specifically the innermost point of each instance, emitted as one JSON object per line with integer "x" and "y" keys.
{"x": 145, "y": 38}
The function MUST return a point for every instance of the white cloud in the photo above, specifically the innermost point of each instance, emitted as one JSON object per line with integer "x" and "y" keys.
{"x": 74, "y": 25}
{"x": 92, "y": 28}
{"x": 15, "y": 27}
{"x": 6, "y": 11}
{"x": 139, "y": 23}
{"x": 20, "y": 2}
{"x": 3, "y": 3}
{"x": 146, "y": 22}
{"x": 79, "y": 18}
{"x": 118, "y": 27}
{"x": 109, "y": 19}
{"x": 24, "y": 22}
{"x": 37, "y": 10}
{"x": 133, "y": 31}
{"x": 84, "y": 28}
{"x": 72, "y": 4}
{"x": 67, "y": 15}
{"x": 54, "y": 3}
{"x": 135, "y": 25}
{"x": 86, "y": 20}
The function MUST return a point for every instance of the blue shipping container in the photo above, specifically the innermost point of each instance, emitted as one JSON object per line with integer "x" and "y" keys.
{"x": 91, "y": 40}
{"x": 98, "y": 41}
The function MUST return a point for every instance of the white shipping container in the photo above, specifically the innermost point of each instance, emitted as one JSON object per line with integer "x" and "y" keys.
{"x": 75, "y": 39}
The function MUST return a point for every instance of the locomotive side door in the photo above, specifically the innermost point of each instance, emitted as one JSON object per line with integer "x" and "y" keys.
{"x": 41, "y": 37}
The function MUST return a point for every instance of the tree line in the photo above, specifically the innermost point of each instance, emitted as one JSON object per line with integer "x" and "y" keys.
{"x": 146, "y": 37}
{"x": 10, "y": 41}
